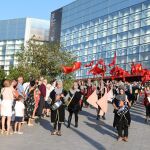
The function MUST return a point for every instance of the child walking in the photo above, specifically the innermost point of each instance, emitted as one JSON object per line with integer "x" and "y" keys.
{"x": 19, "y": 114}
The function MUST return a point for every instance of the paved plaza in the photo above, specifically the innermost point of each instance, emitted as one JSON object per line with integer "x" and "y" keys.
{"x": 91, "y": 134}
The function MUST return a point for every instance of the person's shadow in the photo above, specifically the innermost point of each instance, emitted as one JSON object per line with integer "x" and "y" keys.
{"x": 44, "y": 123}
{"x": 101, "y": 127}
{"x": 87, "y": 138}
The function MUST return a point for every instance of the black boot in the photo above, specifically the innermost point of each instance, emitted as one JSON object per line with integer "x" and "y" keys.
{"x": 76, "y": 124}
{"x": 98, "y": 117}
{"x": 76, "y": 120}
{"x": 103, "y": 117}
{"x": 69, "y": 121}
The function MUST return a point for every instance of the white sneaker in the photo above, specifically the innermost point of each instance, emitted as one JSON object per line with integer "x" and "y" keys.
{"x": 15, "y": 132}
{"x": 20, "y": 132}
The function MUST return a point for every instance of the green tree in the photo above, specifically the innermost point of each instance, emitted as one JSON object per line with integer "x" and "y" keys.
{"x": 2, "y": 76}
{"x": 25, "y": 71}
{"x": 47, "y": 58}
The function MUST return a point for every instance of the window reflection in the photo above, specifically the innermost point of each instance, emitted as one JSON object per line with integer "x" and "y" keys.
{"x": 126, "y": 31}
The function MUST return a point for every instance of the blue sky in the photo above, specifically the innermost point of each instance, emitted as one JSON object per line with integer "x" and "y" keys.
{"x": 29, "y": 8}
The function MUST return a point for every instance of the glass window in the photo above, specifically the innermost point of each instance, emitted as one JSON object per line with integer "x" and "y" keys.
{"x": 124, "y": 43}
{"x": 113, "y": 46}
{"x": 145, "y": 56}
{"x": 95, "y": 36}
{"x": 125, "y": 20}
{"x": 121, "y": 52}
{"x": 114, "y": 30}
{"x": 137, "y": 16}
{"x": 137, "y": 8}
{"x": 133, "y": 58}
{"x": 104, "y": 26}
{"x": 125, "y": 27}
{"x": 109, "y": 54}
{"x": 146, "y": 64}
{"x": 99, "y": 34}
{"x": 121, "y": 60}
{"x": 147, "y": 38}
{"x": 125, "y": 12}
{"x": 110, "y": 24}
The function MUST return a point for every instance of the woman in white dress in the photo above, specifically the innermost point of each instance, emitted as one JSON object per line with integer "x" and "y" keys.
{"x": 6, "y": 105}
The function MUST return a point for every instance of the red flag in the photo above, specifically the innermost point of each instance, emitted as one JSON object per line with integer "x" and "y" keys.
{"x": 93, "y": 98}
{"x": 67, "y": 69}
{"x": 114, "y": 71}
{"x": 136, "y": 69}
{"x": 144, "y": 72}
{"x": 113, "y": 62}
{"x": 146, "y": 75}
{"x": 101, "y": 62}
{"x": 76, "y": 66}
{"x": 112, "y": 77}
{"x": 146, "y": 78}
{"x": 132, "y": 68}
{"x": 96, "y": 70}
{"x": 90, "y": 64}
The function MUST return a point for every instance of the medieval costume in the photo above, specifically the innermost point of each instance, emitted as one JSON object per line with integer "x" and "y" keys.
{"x": 147, "y": 105}
{"x": 74, "y": 105}
{"x": 89, "y": 91}
{"x": 57, "y": 115}
{"x": 122, "y": 117}
{"x": 82, "y": 88}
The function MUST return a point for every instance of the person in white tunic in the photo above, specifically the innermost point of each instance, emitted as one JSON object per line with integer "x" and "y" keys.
{"x": 6, "y": 105}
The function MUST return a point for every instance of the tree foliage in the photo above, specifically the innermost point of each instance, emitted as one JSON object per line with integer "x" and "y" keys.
{"x": 2, "y": 76}
{"x": 25, "y": 71}
{"x": 47, "y": 58}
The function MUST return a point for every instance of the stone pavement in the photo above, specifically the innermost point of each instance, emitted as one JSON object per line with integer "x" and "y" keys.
{"x": 91, "y": 134}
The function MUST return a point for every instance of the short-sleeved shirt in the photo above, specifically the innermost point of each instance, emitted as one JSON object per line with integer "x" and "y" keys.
{"x": 20, "y": 89}
{"x": 19, "y": 109}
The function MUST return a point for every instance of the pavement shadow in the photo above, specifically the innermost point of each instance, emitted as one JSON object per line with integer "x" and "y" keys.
{"x": 44, "y": 123}
{"x": 87, "y": 114}
{"x": 137, "y": 118}
{"x": 138, "y": 113}
{"x": 100, "y": 127}
{"x": 88, "y": 139}
{"x": 138, "y": 110}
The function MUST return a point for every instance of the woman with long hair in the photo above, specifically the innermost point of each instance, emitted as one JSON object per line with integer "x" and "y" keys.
{"x": 74, "y": 104}
{"x": 122, "y": 117}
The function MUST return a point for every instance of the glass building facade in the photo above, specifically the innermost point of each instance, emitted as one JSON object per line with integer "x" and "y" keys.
{"x": 14, "y": 33}
{"x": 96, "y": 29}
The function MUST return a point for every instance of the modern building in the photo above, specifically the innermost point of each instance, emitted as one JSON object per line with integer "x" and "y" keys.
{"x": 14, "y": 33}
{"x": 94, "y": 29}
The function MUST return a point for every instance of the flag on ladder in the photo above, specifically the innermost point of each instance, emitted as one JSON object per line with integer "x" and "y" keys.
{"x": 103, "y": 103}
{"x": 93, "y": 98}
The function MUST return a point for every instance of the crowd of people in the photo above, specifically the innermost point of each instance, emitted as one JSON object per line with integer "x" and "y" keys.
{"x": 23, "y": 102}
